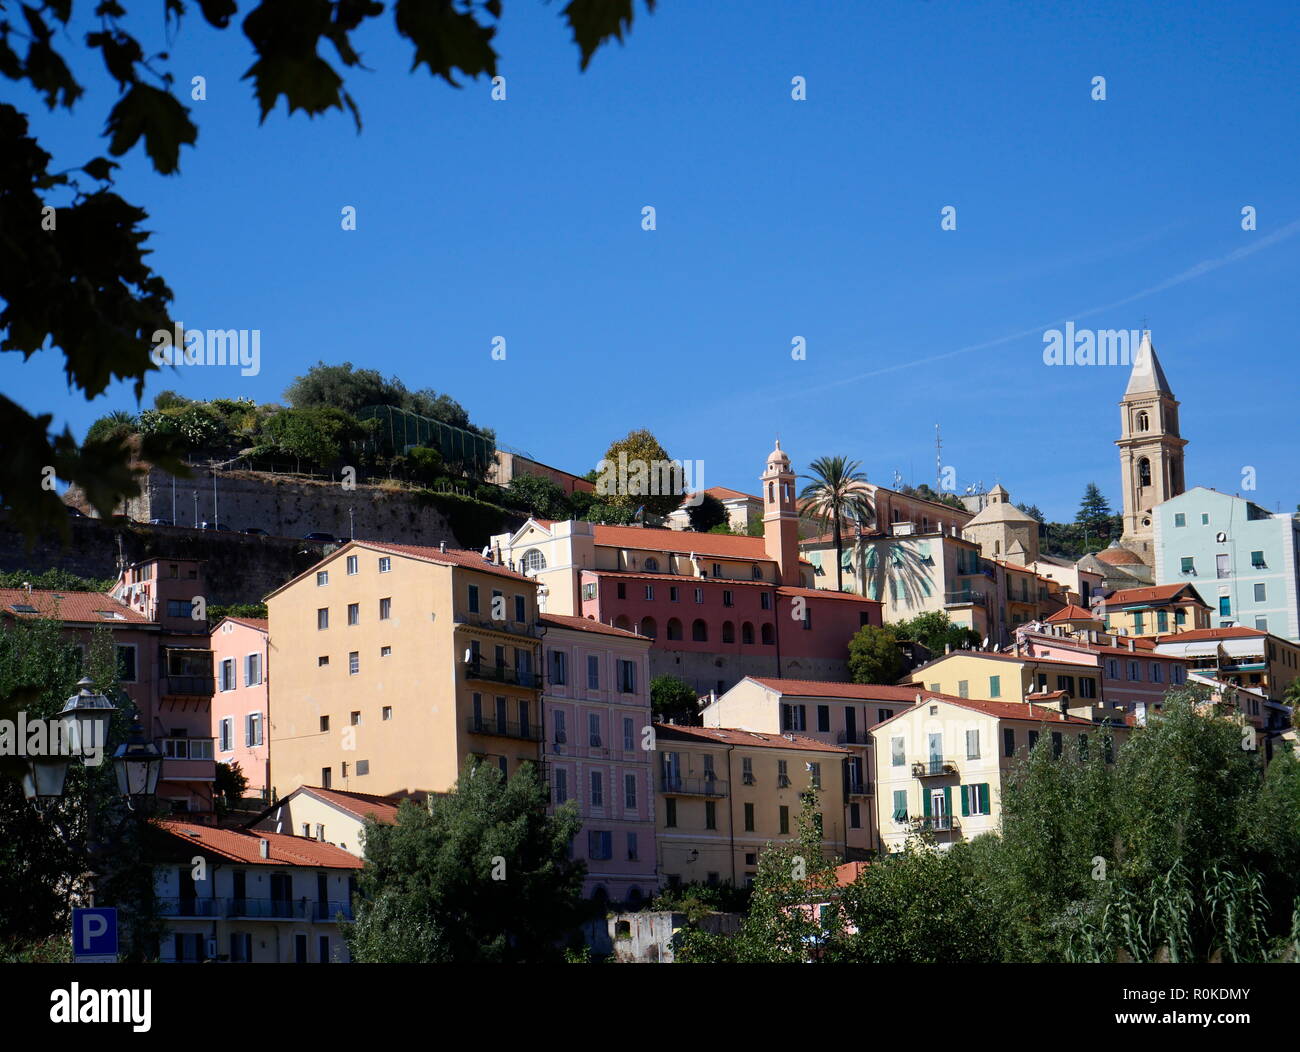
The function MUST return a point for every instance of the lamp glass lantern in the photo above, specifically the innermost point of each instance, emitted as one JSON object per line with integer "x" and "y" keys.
{"x": 138, "y": 764}
{"x": 86, "y": 718}
{"x": 44, "y": 778}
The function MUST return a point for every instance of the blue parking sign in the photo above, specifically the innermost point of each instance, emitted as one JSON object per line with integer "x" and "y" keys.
{"x": 94, "y": 935}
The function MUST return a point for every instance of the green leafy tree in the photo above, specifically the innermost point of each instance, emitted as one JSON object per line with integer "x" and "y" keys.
{"x": 653, "y": 479}
{"x": 707, "y": 514}
{"x": 935, "y": 631}
{"x": 482, "y": 875}
{"x": 54, "y": 579}
{"x": 874, "y": 656}
{"x": 540, "y": 496}
{"x": 1032, "y": 510}
{"x": 317, "y": 437}
{"x": 231, "y": 783}
{"x": 117, "y": 425}
{"x": 837, "y": 494}
{"x": 82, "y": 284}
{"x": 673, "y": 699}
{"x": 927, "y": 492}
{"x": 1094, "y": 512}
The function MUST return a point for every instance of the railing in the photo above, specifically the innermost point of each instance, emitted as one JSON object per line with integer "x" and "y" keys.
{"x": 677, "y": 785}
{"x": 268, "y": 909}
{"x": 329, "y": 911}
{"x": 186, "y": 748}
{"x": 500, "y": 674}
{"x": 933, "y": 768}
{"x": 514, "y": 628}
{"x": 858, "y": 788}
{"x": 965, "y": 596}
{"x": 188, "y": 684}
{"x": 195, "y": 907}
{"x": 936, "y": 823}
{"x": 531, "y": 732}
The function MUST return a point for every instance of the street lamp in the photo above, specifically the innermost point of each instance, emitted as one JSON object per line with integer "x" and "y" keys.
{"x": 138, "y": 764}
{"x": 43, "y": 780}
{"x": 86, "y": 718}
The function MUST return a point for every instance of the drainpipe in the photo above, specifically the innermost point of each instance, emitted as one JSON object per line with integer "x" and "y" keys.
{"x": 731, "y": 814}
{"x": 776, "y": 618}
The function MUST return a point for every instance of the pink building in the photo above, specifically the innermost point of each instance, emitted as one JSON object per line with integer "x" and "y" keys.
{"x": 596, "y": 710}
{"x": 240, "y": 707}
{"x": 1133, "y": 676}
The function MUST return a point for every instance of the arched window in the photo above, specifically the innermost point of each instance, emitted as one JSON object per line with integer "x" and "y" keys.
{"x": 649, "y": 628}
{"x": 534, "y": 561}
{"x": 769, "y": 635}
{"x": 771, "y": 492}
{"x": 1143, "y": 421}
{"x": 1144, "y": 472}
{"x": 728, "y": 632}
{"x": 674, "y": 628}
{"x": 651, "y": 564}
{"x": 699, "y": 631}
{"x": 747, "y": 633}
{"x": 756, "y": 572}
{"x": 622, "y": 622}
{"x": 633, "y": 899}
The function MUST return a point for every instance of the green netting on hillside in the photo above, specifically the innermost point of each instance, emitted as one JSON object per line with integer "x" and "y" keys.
{"x": 399, "y": 430}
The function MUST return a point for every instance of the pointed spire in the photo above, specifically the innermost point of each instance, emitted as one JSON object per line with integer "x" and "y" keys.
{"x": 1147, "y": 376}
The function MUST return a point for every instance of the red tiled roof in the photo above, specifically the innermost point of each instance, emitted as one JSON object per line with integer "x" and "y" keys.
{"x": 451, "y": 557}
{"x": 1236, "y": 632}
{"x": 812, "y": 688}
{"x": 656, "y": 540}
{"x": 1117, "y": 557}
{"x": 1013, "y": 710}
{"x": 723, "y": 493}
{"x": 243, "y": 846}
{"x": 749, "y": 739}
{"x": 1046, "y": 695}
{"x": 359, "y": 805}
{"x": 823, "y": 593}
{"x": 1024, "y": 658}
{"x": 1142, "y": 648}
{"x": 68, "y": 606}
{"x": 261, "y": 624}
{"x": 1151, "y": 594}
{"x": 587, "y": 624}
{"x": 1073, "y": 613}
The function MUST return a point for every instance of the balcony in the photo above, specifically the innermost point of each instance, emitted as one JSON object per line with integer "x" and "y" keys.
{"x": 678, "y": 785}
{"x": 268, "y": 909}
{"x": 964, "y": 597}
{"x": 853, "y": 738}
{"x": 501, "y": 674}
{"x": 188, "y": 685}
{"x": 189, "y": 908}
{"x": 329, "y": 911}
{"x": 858, "y": 788}
{"x": 936, "y": 824}
{"x": 529, "y": 732}
{"x": 513, "y": 628}
{"x": 187, "y": 759}
{"x": 933, "y": 768}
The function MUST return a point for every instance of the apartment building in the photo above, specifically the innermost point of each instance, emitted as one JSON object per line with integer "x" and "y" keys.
{"x": 724, "y": 794}
{"x": 259, "y": 897}
{"x": 716, "y": 607}
{"x": 832, "y": 713}
{"x": 1016, "y": 677}
{"x": 742, "y": 509}
{"x": 330, "y": 816}
{"x": 1242, "y": 559}
{"x": 941, "y": 764}
{"x": 394, "y": 664}
{"x": 1154, "y": 611}
{"x": 599, "y": 753}
{"x": 1243, "y": 657}
{"x": 241, "y": 701}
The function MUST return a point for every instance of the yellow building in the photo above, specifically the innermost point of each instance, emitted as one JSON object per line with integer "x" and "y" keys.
{"x": 1014, "y": 677}
{"x": 941, "y": 764}
{"x": 1162, "y": 609}
{"x": 723, "y": 794}
{"x": 394, "y": 663}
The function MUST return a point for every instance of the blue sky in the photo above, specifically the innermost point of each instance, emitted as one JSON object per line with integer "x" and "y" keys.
{"x": 775, "y": 219}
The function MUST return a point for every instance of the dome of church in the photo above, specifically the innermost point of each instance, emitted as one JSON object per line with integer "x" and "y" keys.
{"x": 1116, "y": 555}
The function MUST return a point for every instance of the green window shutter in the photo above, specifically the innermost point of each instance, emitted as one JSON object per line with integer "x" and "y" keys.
{"x": 925, "y": 801}
{"x": 965, "y": 799}
{"x": 947, "y": 799}
{"x": 900, "y": 805}
{"x": 984, "y": 799}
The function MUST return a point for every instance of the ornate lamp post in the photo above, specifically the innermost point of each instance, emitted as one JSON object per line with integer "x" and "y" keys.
{"x": 138, "y": 764}
{"x": 83, "y": 726}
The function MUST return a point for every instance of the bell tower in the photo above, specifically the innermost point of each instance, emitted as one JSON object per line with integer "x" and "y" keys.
{"x": 1150, "y": 449}
{"x": 781, "y": 516}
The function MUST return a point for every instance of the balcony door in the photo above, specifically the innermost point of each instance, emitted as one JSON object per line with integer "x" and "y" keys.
{"x": 850, "y": 724}
{"x": 939, "y": 808}
{"x": 936, "y": 749}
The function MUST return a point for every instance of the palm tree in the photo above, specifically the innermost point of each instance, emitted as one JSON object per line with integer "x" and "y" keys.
{"x": 837, "y": 493}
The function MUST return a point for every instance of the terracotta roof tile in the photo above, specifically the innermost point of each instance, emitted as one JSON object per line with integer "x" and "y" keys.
{"x": 748, "y": 739}
{"x": 360, "y": 805}
{"x": 1073, "y": 613}
{"x": 716, "y": 544}
{"x": 68, "y": 606}
{"x": 810, "y": 688}
{"x": 1151, "y": 594}
{"x": 1235, "y": 632}
{"x": 587, "y": 624}
{"x": 244, "y": 846}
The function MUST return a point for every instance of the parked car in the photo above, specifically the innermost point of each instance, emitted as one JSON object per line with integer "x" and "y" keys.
{"x": 323, "y": 538}
{"x": 256, "y": 531}
{"x": 161, "y": 522}
{"x": 215, "y": 526}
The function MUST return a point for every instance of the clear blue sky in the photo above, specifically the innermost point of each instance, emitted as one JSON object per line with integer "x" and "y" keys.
{"x": 776, "y": 219}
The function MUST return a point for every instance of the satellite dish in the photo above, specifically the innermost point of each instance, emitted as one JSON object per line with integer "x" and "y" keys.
{"x": 1220, "y": 536}
{"x": 985, "y": 644}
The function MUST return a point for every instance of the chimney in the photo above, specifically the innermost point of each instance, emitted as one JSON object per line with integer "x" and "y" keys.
{"x": 1132, "y": 645}
{"x": 264, "y": 848}
{"x": 442, "y": 546}
{"x": 918, "y": 698}
{"x": 1065, "y": 705}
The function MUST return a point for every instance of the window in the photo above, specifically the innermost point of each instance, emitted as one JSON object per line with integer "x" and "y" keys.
{"x": 728, "y": 597}
{"x": 1180, "y": 617}
{"x": 1162, "y": 621}
{"x": 326, "y": 777}
{"x": 1259, "y": 593}
{"x": 816, "y": 774}
{"x": 354, "y": 613}
{"x": 793, "y": 717}
{"x": 782, "y": 774}
{"x": 765, "y": 601}
{"x": 593, "y": 672}
{"x": 561, "y": 785}
{"x": 126, "y": 670}
{"x": 699, "y": 631}
{"x": 972, "y": 745}
{"x": 252, "y": 729}
{"x": 699, "y": 595}
{"x": 710, "y": 814}
{"x": 1087, "y": 688}
{"x": 1180, "y": 519}
{"x": 963, "y": 688}
{"x": 385, "y": 608}
{"x": 561, "y": 733}
{"x": 352, "y": 564}
{"x": 823, "y": 718}
{"x": 473, "y": 599}
{"x": 252, "y": 670}
{"x": 1134, "y": 672}
{"x": 651, "y": 564}
{"x": 521, "y": 609}
{"x": 533, "y": 561}
{"x": 1157, "y": 672}
{"x": 627, "y": 677}
{"x": 1008, "y": 741}
{"x": 784, "y": 819}
{"x": 629, "y": 792}
{"x": 1205, "y": 519}
{"x": 621, "y": 590}
{"x": 559, "y": 668}
{"x": 749, "y": 818}
{"x": 354, "y": 663}
{"x": 674, "y": 595}
{"x": 322, "y": 661}
{"x": 363, "y": 767}
{"x": 629, "y": 734}
{"x": 897, "y": 753}
{"x": 884, "y": 714}
{"x": 1187, "y": 564}
{"x": 1257, "y": 560}
{"x": 747, "y": 770}
{"x": 1065, "y": 683}
{"x": 597, "y": 789}
{"x": 1225, "y": 606}
{"x": 1139, "y": 622}
{"x": 670, "y": 813}
{"x": 385, "y": 651}
{"x": 995, "y": 686}
{"x": 900, "y": 805}
{"x": 593, "y": 730}
{"x": 178, "y": 608}
{"x": 600, "y": 844}
{"x": 975, "y": 799}
{"x": 227, "y": 674}
{"x": 323, "y": 618}
{"x": 322, "y": 578}
{"x": 1261, "y": 624}
{"x": 385, "y": 564}
{"x": 226, "y": 735}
